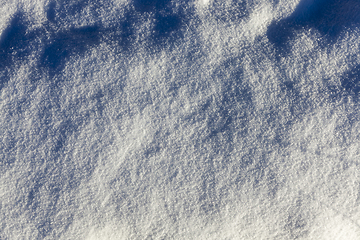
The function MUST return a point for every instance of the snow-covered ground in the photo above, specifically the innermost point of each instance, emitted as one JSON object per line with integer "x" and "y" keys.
{"x": 201, "y": 119}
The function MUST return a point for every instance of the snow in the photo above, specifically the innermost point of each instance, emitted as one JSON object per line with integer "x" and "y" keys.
{"x": 163, "y": 119}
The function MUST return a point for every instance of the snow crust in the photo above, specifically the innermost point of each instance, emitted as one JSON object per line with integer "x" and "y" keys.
{"x": 203, "y": 119}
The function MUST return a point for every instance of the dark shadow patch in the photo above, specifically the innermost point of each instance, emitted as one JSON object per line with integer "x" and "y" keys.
{"x": 168, "y": 29}
{"x": 350, "y": 82}
{"x": 288, "y": 85}
{"x": 13, "y": 41}
{"x": 166, "y": 24}
{"x": 50, "y": 12}
{"x": 126, "y": 36}
{"x": 15, "y": 45}
{"x": 329, "y": 17}
{"x": 16, "y": 42}
{"x": 75, "y": 41}
{"x": 279, "y": 33}
{"x": 150, "y": 5}
{"x": 168, "y": 21}
{"x": 349, "y": 86}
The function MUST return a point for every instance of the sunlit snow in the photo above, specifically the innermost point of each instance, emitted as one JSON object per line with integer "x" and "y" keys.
{"x": 203, "y": 119}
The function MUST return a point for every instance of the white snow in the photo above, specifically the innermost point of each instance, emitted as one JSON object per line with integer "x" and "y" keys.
{"x": 201, "y": 119}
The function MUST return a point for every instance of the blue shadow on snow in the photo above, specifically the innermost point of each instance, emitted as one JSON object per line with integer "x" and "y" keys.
{"x": 329, "y": 17}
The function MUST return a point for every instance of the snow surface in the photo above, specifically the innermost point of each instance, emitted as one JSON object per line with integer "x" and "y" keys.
{"x": 204, "y": 119}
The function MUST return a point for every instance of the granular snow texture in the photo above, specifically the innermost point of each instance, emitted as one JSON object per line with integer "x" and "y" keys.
{"x": 200, "y": 119}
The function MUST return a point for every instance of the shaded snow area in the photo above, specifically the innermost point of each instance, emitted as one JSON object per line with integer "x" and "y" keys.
{"x": 199, "y": 119}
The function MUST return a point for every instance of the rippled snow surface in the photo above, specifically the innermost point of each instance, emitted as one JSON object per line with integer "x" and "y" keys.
{"x": 199, "y": 119}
